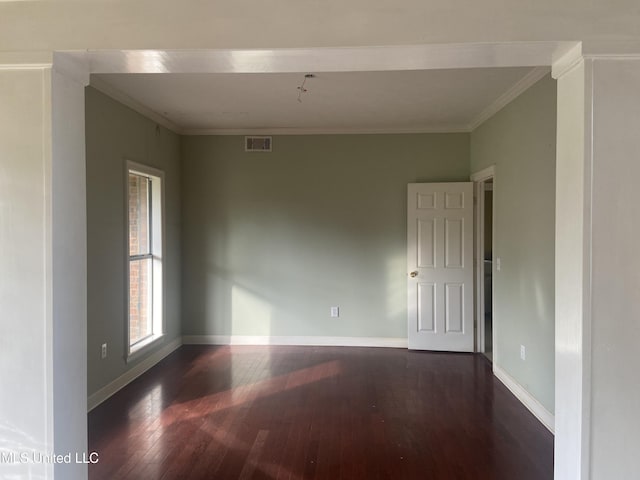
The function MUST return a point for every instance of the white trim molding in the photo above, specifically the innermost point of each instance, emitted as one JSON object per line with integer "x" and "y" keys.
{"x": 484, "y": 174}
{"x": 533, "y": 405}
{"x": 479, "y": 179}
{"x": 452, "y": 128}
{"x": 566, "y": 62}
{"x": 538, "y": 55}
{"x": 510, "y": 95}
{"x": 25, "y": 60}
{"x": 329, "y": 59}
{"x": 618, "y": 49}
{"x": 294, "y": 340}
{"x": 25, "y": 66}
{"x": 133, "y": 104}
{"x": 75, "y": 67}
{"x": 125, "y": 379}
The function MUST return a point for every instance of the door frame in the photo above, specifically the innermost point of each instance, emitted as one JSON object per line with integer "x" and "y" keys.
{"x": 479, "y": 179}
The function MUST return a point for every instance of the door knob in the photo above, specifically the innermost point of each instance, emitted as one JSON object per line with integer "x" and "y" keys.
{"x": 414, "y": 274}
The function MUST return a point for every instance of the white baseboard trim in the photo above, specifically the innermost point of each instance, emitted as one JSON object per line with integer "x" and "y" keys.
{"x": 123, "y": 380}
{"x": 533, "y": 405}
{"x": 301, "y": 341}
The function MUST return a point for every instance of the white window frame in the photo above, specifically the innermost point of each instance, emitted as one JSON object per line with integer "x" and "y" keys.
{"x": 157, "y": 236}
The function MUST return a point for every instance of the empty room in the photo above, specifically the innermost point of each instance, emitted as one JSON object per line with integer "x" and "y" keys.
{"x": 390, "y": 239}
{"x": 294, "y": 269}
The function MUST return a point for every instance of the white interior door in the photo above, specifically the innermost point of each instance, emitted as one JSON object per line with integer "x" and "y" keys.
{"x": 440, "y": 266}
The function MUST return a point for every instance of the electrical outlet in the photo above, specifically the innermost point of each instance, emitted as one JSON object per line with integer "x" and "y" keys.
{"x": 523, "y": 352}
{"x": 103, "y": 352}
{"x": 335, "y": 312}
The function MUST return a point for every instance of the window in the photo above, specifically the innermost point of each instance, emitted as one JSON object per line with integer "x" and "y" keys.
{"x": 144, "y": 239}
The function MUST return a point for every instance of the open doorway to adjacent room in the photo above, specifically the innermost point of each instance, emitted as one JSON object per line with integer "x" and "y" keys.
{"x": 486, "y": 261}
{"x": 488, "y": 267}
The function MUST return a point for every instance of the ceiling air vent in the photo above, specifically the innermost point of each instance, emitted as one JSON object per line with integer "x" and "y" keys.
{"x": 257, "y": 144}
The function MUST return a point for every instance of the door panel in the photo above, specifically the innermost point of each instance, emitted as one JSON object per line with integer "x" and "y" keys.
{"x": 426, "y": 243}
{"x": 426, "y": 307}
{"x": 440, "y": 265}
{"x": 454, "y": 293}
{"x": 454, "y": 243}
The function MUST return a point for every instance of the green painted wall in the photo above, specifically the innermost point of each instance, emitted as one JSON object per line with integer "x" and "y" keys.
{"x": 265, "y": 243}
{"x": 114, "y": 133}
{"x": 520, "y": 140}
{"x": 272, "y": 240}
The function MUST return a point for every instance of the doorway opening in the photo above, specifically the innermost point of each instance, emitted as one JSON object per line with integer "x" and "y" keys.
{"x": 486, "y": 263}
{"x": 488, "y": 268}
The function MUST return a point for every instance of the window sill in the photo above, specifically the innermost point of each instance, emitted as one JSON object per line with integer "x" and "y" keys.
{"x": 143, "y": 347}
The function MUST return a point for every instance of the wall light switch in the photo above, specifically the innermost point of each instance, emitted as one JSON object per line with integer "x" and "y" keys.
{"x": 523, "y": 352}
{"x": 498, "y": 264}
{"x": 103, "y": 352}
{"x": 335, "y": 312}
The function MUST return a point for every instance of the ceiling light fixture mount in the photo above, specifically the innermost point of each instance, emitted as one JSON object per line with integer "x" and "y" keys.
{"x": 301, "y": 88}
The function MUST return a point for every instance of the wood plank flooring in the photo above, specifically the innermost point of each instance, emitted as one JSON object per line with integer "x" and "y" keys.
{"x": 317, "y": 413}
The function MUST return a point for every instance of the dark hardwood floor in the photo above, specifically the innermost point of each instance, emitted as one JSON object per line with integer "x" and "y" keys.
{"x": 317, "y": 413}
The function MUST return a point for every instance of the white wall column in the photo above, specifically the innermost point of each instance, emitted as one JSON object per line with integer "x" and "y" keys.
{"x": 615, "y": 325}
{"x": 573, "y": 234}
{"x": 43, "y": 265}
{"x": 69, "y": 263}
{"x": 597, "y": 265}
{"x": 26, "y": 370}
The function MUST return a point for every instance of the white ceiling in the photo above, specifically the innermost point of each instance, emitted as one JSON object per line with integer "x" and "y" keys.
{"x": 381, "y": 101}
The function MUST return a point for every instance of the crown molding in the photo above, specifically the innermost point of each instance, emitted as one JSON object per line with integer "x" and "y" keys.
{"x": 328, "y": 131}
{"x": 104, "y": 87}
{"x": 516, "y": 90}
{"x": 527, "y": 81}
{"x": 133, "y": 104}
{"x": 567, "y": 61}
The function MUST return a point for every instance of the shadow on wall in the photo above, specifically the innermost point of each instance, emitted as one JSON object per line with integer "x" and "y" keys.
{"x": 277, "y": 274}
{"x": 293, "y": 295}
{"x": 272, "y": 241}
